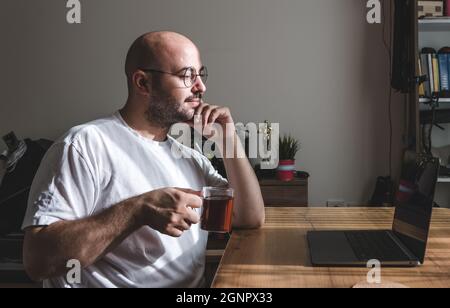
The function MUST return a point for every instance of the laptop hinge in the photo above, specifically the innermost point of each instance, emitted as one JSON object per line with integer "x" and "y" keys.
{"x": 403, "y": 247}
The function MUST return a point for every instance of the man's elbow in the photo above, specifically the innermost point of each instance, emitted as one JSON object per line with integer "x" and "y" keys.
{"x": 254, "y": 222}
{"x": 38, "y": 259}
{"x": 34, "y": 269}
{"x": 259, "y": 218}
{"x": 33, "y": 272}
{"x": 41, "y": 262}
{"x": 260, "y": 221}
{"x": 31, "y": 262}
{"x": 40, "y": 266}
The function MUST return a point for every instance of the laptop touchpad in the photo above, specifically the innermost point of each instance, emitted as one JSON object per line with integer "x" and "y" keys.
{"x": 330, "y": 247}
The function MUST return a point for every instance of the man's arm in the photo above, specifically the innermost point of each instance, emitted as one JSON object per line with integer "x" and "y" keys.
{"x": 48, "y": 249}
{"x": 248, "y": 204}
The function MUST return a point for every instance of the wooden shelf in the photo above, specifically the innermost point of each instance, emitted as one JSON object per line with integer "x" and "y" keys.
{"x": 442, "y": 116}
{"x": 441, "y": 100}
{"x": 442, "y": 113}
{"x": 444, "y": 180}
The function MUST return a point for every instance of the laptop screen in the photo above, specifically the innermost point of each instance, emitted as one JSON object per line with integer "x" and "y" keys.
{"x": 414, "y": 202}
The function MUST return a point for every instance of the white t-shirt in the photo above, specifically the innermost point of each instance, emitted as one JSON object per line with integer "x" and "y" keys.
{"x": 99, "y": 164}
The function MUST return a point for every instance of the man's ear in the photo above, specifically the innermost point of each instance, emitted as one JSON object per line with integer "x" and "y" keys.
{"x": 141, "y": 82}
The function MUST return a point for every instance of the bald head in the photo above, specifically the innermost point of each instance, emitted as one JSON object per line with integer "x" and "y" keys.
{"x": 156, "y": 50}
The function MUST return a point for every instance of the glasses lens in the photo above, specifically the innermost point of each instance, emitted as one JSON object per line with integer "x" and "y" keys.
{"x": 204, "y": 74}
{"x": 189, "y": 77}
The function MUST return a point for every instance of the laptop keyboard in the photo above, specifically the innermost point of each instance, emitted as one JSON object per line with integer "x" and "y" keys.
{"x": 375, "y": 245}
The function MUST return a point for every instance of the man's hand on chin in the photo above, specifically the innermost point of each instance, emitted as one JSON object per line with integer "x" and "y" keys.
{"x": 205, "y": 116}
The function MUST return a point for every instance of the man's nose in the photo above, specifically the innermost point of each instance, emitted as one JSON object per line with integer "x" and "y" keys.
{"x": 199, "y": 85}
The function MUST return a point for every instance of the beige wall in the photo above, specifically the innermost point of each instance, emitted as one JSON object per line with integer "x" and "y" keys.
{"x": 315, "y": 66}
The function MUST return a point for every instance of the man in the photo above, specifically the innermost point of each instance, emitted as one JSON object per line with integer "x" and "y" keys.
{"x": 111, "y": 195}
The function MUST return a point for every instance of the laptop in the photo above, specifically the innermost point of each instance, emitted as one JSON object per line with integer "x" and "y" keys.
{"x": 402, "y": 246}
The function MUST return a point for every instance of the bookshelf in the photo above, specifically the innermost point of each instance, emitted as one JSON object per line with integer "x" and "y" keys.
{"x": 435, "y": 33}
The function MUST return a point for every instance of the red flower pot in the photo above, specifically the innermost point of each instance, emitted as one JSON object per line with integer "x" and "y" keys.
{"x": 286, "y": 170}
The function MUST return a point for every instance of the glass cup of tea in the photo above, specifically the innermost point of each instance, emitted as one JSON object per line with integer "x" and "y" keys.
{"x": 217, "y": 209}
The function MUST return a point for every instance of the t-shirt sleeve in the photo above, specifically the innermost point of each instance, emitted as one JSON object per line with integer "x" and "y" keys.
{"x": 64, "y": 187}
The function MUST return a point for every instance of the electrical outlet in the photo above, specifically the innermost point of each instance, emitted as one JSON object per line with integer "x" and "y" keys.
{"x": 336, "y": 203}
{"x": 353, "y": 204}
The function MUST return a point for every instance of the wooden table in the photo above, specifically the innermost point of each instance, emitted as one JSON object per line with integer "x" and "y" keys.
{"x": 277, "y": 255}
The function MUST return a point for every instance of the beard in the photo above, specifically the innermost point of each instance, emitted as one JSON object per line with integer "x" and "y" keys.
{"x": 165, "y": 110}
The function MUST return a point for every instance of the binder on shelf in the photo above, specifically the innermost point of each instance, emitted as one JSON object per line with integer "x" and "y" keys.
{"x": 436, "y": 79}
{"x": 427, "y": 66}
{"x": 444, "y": 70}
{"x": 447, "y": 50}
{"x": 422, "y": 92}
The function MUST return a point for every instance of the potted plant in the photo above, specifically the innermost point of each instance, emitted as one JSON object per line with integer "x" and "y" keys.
{"x": 288, "y": 148}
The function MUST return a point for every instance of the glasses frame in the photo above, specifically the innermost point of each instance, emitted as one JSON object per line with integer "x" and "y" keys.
{"x": 188, "y": 82}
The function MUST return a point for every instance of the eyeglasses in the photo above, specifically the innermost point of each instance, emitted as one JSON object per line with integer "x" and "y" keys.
{"x": 189, "y": 74}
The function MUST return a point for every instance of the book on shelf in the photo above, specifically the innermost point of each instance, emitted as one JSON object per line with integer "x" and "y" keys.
{"x": 444, "y": 68}
{"x": 436, "y": 67}
{"x": 422, "y": 90}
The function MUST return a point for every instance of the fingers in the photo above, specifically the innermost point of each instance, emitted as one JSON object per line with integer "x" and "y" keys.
{"x": 196, "y": 119}
{"x": 188, "y": 212}
{"x": 214, "y": 115}
{"x": 205, "y": 114}
{"x": 199, "y": 110}
{"x": 190, "y": 191}
{"x": 190, "y": 200}
{"x": 175, "y": 232}
{"x": 205, "y": 110}
{"x": 192, "y": 216}
{"x": 183, "y": 225}
{"x": 178, "y": 210}
{"x": 191, "y": 197}
{"x": 181, "y": 222}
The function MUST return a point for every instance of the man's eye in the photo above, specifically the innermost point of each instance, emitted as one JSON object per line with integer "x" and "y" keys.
{"x": 189, "y": 73}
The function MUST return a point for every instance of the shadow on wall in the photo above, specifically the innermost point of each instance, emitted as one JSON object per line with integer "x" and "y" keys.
{"x": 385, "y": 145}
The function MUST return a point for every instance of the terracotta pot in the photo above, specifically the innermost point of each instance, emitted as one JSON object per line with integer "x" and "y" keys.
{"x": 286, "y": 170}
